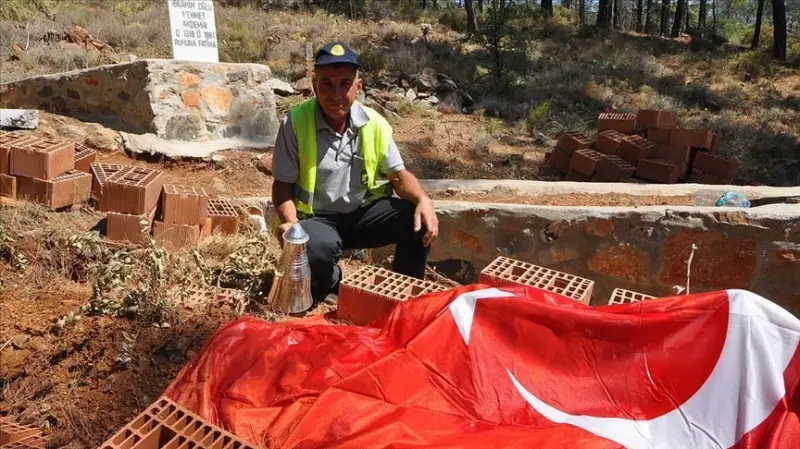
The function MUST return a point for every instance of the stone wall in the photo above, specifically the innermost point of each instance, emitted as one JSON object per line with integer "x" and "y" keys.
{"x": 175, "y": 101}
{"x": 642, "y": 249}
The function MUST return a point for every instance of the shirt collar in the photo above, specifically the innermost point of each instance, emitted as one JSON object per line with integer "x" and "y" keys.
{"x": 358, "y": 117}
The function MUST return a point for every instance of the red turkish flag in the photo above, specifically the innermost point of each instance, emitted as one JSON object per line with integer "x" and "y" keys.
{"x": 512, "y": 367}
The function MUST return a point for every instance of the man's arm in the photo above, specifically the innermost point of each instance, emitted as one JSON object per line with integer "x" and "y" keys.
{"x": 285, "y": 165}
{"x": 284, "y": 205}
{"x": 407, "y": 187}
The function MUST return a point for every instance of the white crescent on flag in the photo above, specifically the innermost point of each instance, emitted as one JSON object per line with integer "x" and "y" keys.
{"x": 714, "y": 417}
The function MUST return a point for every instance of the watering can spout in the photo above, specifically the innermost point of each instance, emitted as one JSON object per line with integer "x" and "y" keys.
{"x": 291, "y": 288}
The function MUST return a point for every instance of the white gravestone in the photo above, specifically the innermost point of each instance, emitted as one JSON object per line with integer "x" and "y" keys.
{"x": 194, "y": 31}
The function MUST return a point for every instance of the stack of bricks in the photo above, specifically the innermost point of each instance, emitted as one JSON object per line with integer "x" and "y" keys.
{"x": 373, "y": 292}
{"x": 645, "y": 146}
{"x": 129, "y": 196}
{"x": 41, "y": 170}
{"x": 505, "y": 271}
{"x": 16, "y": 436}
{"x": 167, "y": 425}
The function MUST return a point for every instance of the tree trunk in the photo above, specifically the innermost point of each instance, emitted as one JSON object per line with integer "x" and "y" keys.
{"x": 714, "y": 13}
{"x": 757, "y": 32}
{"x": 567, "y": 4}
{"x": 480, "y": 5}
{"x": 676, "y": 24}
{"x": 639, "y": 15}
{"x": 435, "y": 6}
{"x": 604, "y": 14}
{"x": 470, "y": 16}
{"x": 664, "y": 17}
{"x": 686, "y": 16}
{"x": 648, "y": 27}
{"x": 701, "y": 16}
{"x": 617, "y": 13}
{"x": 779, "y": 22}
{"x": 547, "y": 6}
{"x": 424, "y": 4}
{"x": 582, "y": 12}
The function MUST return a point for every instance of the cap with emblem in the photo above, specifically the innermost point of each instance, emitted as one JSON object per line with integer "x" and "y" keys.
{"x": 335, "y": 53}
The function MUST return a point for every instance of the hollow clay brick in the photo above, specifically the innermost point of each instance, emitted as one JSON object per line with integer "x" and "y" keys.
{"x": 634, "y": 148}
{"x": 127, "y": 227}
{"x": 224, "y": 218}
{"x": 701, "y": 138}
{"x": 573, "y": 141}
{"x": 373, "y": 292}
{"x": 11, "y": 431}
{"x": 8, "y": 186}
{"x": 613, "y": 168}
{"x": 560, "y": 160}
{"x": 715, "y": 141}
{"x": 176, "y": 236}
{"x": 72, "y": 187}
{"x": 100, "y": 174}
{"x": 84, "y": 158}
{"x": 7, "y": 139}
{"x": 701, "y": 177}
{"x": 167, "y": 425}
{"x": 622, "y": 122}
{"x": 659, "y": 136}
{"x": 42, "y": 159}
{"x": 184, "y": 205}
{"x": 680, "y": 137}
{"x": 657, "y": 170}
{"x": 609, "y": 141}
{"x": 574, "y": 176}
{"x": 585, "y": 161}
{"x": 506, "y": 271}
{"x": 622, "y": 296}
{"x": 714, "y": 165}
{"x": 132, "y": 190}
{"x": 656, "y": 119}
{"x": 675, "y": 153}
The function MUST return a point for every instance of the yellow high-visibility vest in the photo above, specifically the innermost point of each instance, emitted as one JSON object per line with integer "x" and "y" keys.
{"x": 374, "y": 139}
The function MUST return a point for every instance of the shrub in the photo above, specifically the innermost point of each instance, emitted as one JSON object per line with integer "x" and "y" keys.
{"x": 538, "y": 116}
{"x": 755, "y": 63}
{"x": 20, "y": 10}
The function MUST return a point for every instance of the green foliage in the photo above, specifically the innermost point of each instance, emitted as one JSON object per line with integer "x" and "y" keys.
{"x": 755, "y": 63}
{"x": 21, "y": 10}
{"x": 9, "y": 251}
{"x": 454, "y": 18}
{"x": 538, "y": 116}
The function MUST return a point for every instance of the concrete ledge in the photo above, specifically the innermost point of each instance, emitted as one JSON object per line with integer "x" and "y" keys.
{"x": 477, "y": 186}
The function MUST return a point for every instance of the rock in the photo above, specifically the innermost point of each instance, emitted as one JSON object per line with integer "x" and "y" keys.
{"x": 69, "y": 46}
{"x": 18, "y": 52}
{"x": 540, "y": 139}
{"x": 392, "y": 105}
{"x": 466, "y": 99}
{"x": 72, "y": 132}
{"x": 426, "y": 81}
{"x": 433, "y": 100}
{"x": 264, "y": 165}
{"x": 303, "y": 85}
{"x": 20, "y": 341}
{"x": 405, "y": 84}
{"x": 78, "y": 34}
{"x": 410, "y": 95}
{"x": 104, "y": 139}
{"x": 19, "y": 118}
{"x": 217, "y": 158}
{"x": 422, "y": 95}
{"x": 218, "y": 186}
{"x": 280, "y": 87}
{"x": 450, "y": 103}
{"x": 453, "y": 191}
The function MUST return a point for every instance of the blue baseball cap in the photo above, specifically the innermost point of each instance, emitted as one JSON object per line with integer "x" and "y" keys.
{"x": 335, "y": 53}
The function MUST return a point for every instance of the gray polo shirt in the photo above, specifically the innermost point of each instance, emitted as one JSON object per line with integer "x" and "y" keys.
{"x": 338, "y": 188}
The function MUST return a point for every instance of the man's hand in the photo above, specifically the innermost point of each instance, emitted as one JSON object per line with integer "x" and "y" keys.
{"x": 283, "y": 227}
{"x": 425, "y": 214}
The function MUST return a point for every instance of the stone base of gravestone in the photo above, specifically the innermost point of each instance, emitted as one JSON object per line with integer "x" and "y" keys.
{"x": 185, "y": 107}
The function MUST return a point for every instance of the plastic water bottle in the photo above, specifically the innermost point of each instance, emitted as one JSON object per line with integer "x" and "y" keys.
{"x": 733, "y": 199}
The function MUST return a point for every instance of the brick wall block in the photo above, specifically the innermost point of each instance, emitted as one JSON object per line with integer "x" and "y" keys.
{"x": 657, "y": 170}
{"x": 573, "y": 141}
{"x": 100, "y": 174}
{"x": 659, "y": 136}
{"x": 622, "y": 296}
{"x": 176, "y": 236}
{"x": 224, "y": 219}
{"x": 127, "y": 227}
{"x": 622, "y": 122}
{"x": 84, "y": 158}
{"x": 701, "y": 138}
{"x": 585, "y": 161}
{"x": 11, "y": 431}
{"x": 8, "y": 186}
{"x": 132, "y": 190}
{"x": 714, "y": 165}
{"x": 613, "y": 168}
{"x": 506, "y": 271}
{"x": 72, "y": 187}
{"x": 373, "y": 292}
{"x": 701, "y": 177}
{"x": 43, "y": 159}
{"x": 184, "y": 204}
{"x": 680, "y": 137}
{"x": 674, "y": 153}
{"x": 560, "y": 160}
{"x": 574, "y": 176}
{"x": 7, "y": 139}
{"x": 656, "y": 119}
{"x": 609, "y": 141}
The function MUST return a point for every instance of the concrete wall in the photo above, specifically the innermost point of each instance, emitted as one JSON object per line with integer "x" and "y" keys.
{"x": 176, "y": 101}
{"x": 642, "y": 249}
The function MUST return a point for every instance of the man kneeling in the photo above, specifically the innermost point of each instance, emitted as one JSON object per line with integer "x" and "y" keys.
{"x": 336, "y": 166}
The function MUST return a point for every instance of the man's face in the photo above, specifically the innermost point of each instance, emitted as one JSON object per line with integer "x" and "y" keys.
{"x": 336, "y": 87}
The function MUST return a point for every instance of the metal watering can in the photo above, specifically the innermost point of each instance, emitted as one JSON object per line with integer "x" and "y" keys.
{"x": 291, "y": 288}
